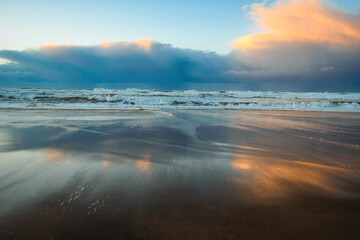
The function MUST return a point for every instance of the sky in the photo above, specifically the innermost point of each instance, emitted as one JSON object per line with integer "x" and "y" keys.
{"x": 297, "y": 45}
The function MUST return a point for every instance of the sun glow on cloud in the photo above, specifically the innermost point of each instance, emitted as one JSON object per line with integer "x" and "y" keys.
{"x": 54, "y": 45}
{"x": 143, "y": 43}
{"x": 106, "y": 44}
{"x": 301, "y": 21}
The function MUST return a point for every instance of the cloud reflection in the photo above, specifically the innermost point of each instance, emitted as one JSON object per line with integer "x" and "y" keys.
{"x": 271, "y": 178}
{"x": 144, "y": 165}
{"x": 56, "y": 155}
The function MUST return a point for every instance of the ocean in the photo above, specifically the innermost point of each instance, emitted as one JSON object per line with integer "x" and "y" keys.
{"x": 100, "y": 98}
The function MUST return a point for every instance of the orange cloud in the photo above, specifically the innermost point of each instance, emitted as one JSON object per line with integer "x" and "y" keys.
{"x": 145, "y": 43}
{"x": 307, "y": 21}
{"x": 54, "y": 45}
{"x": 105, "y": 43}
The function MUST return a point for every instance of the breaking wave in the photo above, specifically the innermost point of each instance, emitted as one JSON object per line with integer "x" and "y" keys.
{"x": 99, "y": 98}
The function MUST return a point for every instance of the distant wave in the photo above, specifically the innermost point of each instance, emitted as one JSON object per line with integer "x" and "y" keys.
{"x": 99, "y": 98}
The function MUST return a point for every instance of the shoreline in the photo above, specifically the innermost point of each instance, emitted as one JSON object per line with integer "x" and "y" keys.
{"x": 173, "y": 109}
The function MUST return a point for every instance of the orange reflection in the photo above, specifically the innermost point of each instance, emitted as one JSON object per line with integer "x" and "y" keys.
{"x": 106, "y": 159}
{"x": 274, "y": 178}
{"x": 56, "y": 155}
{"x": 144, "y": 165}
{"x": 105, "y": 162}
{"x": 240, "y": 165}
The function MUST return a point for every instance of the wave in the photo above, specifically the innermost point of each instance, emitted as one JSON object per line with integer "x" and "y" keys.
{"x": 100, "y": 98}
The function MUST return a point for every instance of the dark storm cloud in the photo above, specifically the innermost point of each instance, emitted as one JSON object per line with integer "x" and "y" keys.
{"x": 113, "y": 64}
{"x": 161, "y": 66}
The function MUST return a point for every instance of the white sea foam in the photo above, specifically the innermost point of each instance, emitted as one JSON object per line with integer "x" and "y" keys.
{"x": 99, "y": 98}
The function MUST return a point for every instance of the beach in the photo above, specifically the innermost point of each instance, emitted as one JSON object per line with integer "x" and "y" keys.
{"x": 179, "y": 174}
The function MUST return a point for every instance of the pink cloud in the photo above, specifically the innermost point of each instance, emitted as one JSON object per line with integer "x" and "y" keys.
{"x": 307, "y": 21}
{"x": 299, "y": 37}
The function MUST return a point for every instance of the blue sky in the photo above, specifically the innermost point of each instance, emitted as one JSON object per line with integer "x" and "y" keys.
{"x": 203, "y": 25}
{"x": 197, "y": 24}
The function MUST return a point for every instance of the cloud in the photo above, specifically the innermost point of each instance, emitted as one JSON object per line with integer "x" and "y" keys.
{"x": 301, "y": 39}
{"x": 144, "y": 43}
{"x": 302, "y": 22}
{"x": 142, "y": 63}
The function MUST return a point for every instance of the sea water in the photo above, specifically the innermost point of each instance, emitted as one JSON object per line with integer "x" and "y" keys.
{"x": 100, "y": 98}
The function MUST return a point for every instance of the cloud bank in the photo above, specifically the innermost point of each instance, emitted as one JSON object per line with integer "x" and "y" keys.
{"x": 303, "y": 46}
{"x": 301, "y": 39}
{"x": 143, "y": 63}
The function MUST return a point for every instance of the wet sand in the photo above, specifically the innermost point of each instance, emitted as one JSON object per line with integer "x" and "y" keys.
{"x": 226, "y": 174}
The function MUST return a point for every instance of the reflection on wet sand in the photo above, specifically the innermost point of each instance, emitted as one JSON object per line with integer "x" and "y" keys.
{"x": 268, "y": 178}
{"x": 56, "y": 155}
{"x": 105, "y": 163}
{"x": 240, "y": 165}
{"x": 106, "y": 159}
{"x": 144, "y": 164}
{"x": 191, "y": 175}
